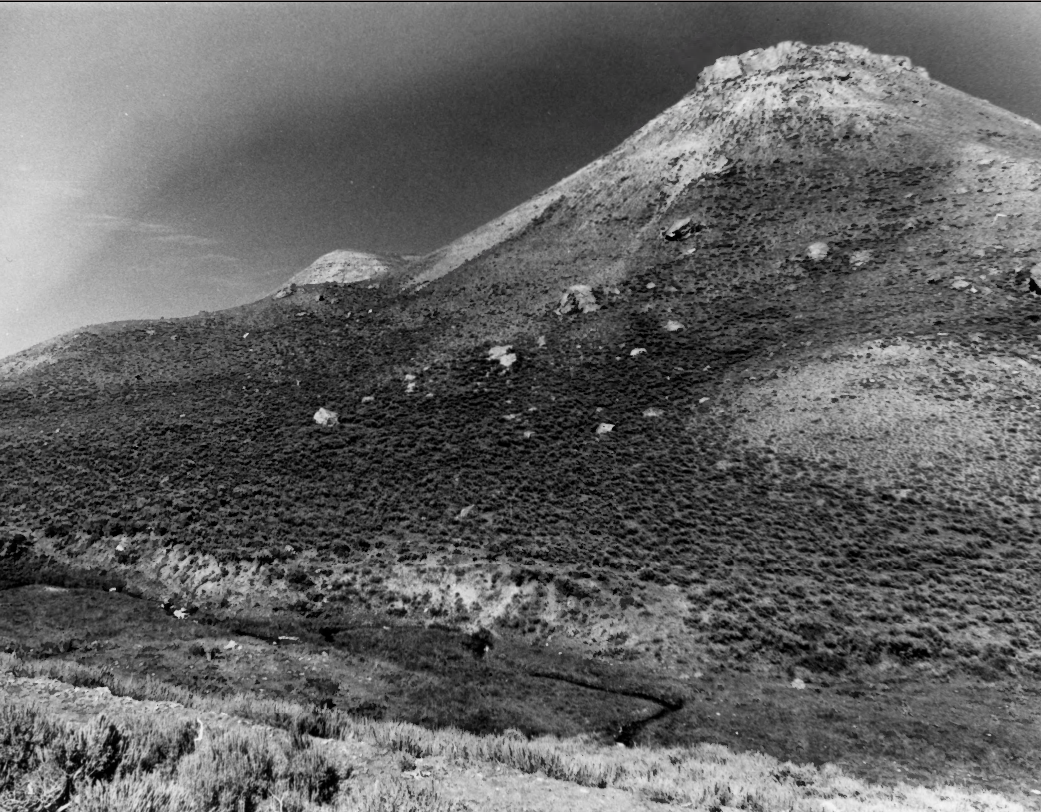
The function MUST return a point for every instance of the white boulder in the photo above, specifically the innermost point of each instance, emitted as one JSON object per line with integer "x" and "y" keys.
{"x": 324, "y": 417}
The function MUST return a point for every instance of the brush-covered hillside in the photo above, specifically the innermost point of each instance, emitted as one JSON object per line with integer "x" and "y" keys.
{"x": 788, "y": 419}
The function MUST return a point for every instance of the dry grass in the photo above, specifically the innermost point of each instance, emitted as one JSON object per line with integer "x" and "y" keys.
{"x": 156, "y": 764}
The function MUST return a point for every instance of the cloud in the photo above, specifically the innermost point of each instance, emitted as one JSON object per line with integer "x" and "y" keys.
{"x": 189, "y": 240}
{"x": 165, "y": 235}
{"x": 219, "y": 258}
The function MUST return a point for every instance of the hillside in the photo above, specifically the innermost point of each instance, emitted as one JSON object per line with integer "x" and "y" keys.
{"x": 798, "y": 441}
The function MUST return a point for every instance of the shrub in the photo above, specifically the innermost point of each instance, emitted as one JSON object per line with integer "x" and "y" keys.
{"x": 157, "y": 745}
{"x": 24, "y": 734}
{"x": 92, "y": 753}
{"x": 309, "y": 774}
{"x": 148, "y": 793}
{"x": 229, "y": 771}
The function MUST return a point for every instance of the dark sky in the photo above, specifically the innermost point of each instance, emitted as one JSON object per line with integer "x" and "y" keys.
{"x": 159, "y": 160}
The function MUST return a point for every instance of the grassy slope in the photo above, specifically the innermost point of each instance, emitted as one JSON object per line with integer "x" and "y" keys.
{"x": 158, "y": 748}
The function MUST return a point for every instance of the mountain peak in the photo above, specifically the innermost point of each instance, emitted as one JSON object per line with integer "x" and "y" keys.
{"x": 798, "y": 56}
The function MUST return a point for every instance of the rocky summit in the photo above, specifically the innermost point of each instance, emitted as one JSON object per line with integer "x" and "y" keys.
{"x": 803, "y": 301}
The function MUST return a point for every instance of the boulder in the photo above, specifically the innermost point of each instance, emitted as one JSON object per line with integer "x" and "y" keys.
{"x": 503, "y": 355}
{"x": 680, "y": 230}
{"x": 817, "y": 251}
{"x": 324, "y": 417}
{"x": 1034, "y": 284}
{"x": 858, "y": 259}
{"x": 578, "y": 298}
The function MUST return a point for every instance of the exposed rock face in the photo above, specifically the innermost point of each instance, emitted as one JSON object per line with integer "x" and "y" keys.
{"x": 345, "y": 268}
{"x": 794, "y": 55}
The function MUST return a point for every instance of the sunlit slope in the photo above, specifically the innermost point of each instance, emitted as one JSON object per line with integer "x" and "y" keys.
{"x": 772, "y": 151}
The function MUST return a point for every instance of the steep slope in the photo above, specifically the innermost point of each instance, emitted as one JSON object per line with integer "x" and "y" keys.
{"x": 774, "y": 150}
{"x": 806, "y": 433}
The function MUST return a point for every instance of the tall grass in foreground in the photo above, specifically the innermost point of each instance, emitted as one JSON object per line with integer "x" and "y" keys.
{"x": 158, "y": 764}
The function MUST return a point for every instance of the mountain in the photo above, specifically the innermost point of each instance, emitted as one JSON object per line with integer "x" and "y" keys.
{"x": 799, "y": 429}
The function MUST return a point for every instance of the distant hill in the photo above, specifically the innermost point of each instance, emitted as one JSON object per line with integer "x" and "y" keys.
{"x": 801, "y": 426}
{"x": 345, "y": 268}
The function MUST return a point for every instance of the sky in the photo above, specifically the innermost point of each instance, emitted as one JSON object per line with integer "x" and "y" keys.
{"x": 158, "y": 160}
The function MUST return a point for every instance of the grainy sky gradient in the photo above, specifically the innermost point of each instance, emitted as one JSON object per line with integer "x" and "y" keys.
{"x": 161, "y": 160}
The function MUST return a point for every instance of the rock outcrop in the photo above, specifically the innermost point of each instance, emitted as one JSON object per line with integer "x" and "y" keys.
{"x": 346, "y": 268}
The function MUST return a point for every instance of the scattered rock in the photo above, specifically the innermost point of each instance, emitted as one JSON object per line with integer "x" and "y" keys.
{"x": 672, "y": 326}
{"x": 960, "y": 284}
{"x": 324, "y": 417}
{"x": 503, "y": 355}
{"x": 578, "y": 298}
{"x": 1034, "y": 283}
{"x": 652, "y": 412}
{"x": 1000, "y": 221}
{"x": 798, "y": 684}
{"x": 604, "y": 428}
{"x": 637, "y": 351}
{"x": 858, "y": 259}
{"x": 466, "y": 511}
{"x": 817, "y": 251}
{"x": 680, "y": 230}
{"x": 288, "y": 290}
